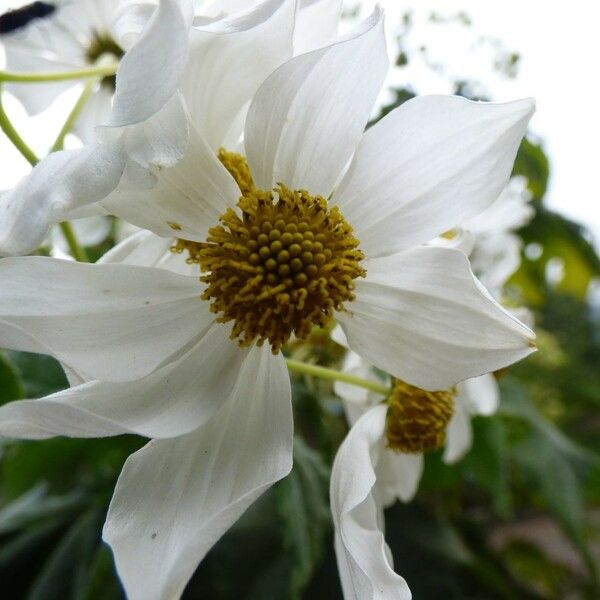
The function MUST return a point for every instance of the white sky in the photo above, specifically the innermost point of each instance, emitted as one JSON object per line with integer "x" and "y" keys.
{"x": 559, "y": 47}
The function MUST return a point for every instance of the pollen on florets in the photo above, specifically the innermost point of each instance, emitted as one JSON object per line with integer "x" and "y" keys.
{"x": 283, "y": 265}
{"x": 417, "y": 419}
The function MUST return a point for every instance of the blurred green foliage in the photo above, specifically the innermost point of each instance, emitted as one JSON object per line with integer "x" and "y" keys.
{"x": 518, "y": 517}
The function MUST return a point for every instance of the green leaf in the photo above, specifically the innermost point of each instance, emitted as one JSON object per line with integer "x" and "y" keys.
{"x": 62, "y": 571}
{"x": 532, "y": 163}
{"x": 557, "y": 466}
{"x": 11, "y": 386}
{"x": 40, "y": 374}
{"x": 101, "y": 581}
{"x": 486, "y": 462}
{"x": 303, "y": 508}
{"x": 37, "y": 505}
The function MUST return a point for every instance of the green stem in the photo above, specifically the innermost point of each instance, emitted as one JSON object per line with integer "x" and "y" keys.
{"x": 77, "y": 250}
{"x": 99, "y": 71}
{"x": 14, "y": 137}
{"x": 75, "y": 112}
{"x": 75, "y": 247}
{"x": 331, "y": 374}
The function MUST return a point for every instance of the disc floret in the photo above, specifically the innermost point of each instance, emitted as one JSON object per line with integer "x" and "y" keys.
{"x": 417, "y": 419}
{"x": 281, "y": 264}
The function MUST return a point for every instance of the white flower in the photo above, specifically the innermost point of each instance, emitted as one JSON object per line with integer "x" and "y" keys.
{"x": 489, "y": 239}
{"x": 74, "y": 34}
{"x": 229, "y": 57}
{"x": 146, "y": 124}
{"x": 368, "y": 476}
{"x": 154, "y": 346}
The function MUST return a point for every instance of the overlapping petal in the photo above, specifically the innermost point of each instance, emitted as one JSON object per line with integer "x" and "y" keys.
{"x": 149, "y": 72}
{"x": 427, "y": 166}
{"x": 229, "y": 59}
{"x": 306, "y": 119}
{"x": 175, "y": 498}
{"x": 316, "y": 24}
{"x": 60, "y": 183}
{"x": 187, "y": 200}
{"x": 363, "y": 557}
{"x": 421, "y": 315}
{"x": 110, "y": 322}
{"x": 171, "y": 401}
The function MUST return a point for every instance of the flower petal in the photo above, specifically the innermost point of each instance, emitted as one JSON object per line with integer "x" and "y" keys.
{"x": 421, "y": 316}
{"x": 171, "y": 401}
{"x": 306, "y": 119}
{"x": 228, "y": 61}
{"x": 398, "y": 476}
{"x": 427, "y": 166}
{"x": 459, "y": 433}
{"x": 362, "y": 554}
{"x": 187, "y": 199}
{"x": 59, "y": 183}
{"x": 149, "y": 72}
{"x": 316, "y": 24}
{"x": 110, "y": 322}
{"x": 175, "y": 498}
{"x": 481, "y": 395}
{"x": 145, "y": 249}
{"x": 161, "y": 140}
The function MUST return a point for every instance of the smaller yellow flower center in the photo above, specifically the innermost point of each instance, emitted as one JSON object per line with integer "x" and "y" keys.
{"x": 416, "y": 419}
{"x": 281, "y": 264}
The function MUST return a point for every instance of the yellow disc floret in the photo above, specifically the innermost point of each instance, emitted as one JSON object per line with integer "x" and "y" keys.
{"x": 417, "y": 419}
{"x": 280, "y": 264}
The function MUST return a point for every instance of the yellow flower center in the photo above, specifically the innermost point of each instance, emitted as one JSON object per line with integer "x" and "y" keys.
{"x": 416, "y": 419}
{"x": 281, "y": 264}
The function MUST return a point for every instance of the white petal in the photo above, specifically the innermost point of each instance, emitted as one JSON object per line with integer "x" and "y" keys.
{"x": 61, "y": 182}
{"x": 44, "y": 45}
{"x": 228, "y": 61}
{"x": 362, "y": 554}
{"x": 509, "y": 212}
{"x": 95, "y": 111}
{"x": 171, "y": 401}
{"x": 145, "y": 249}
{"x": 398, "y": 476}
{"x": 110, "y": 322}
{"x": 459, "y": 434}
{"x": 427, "y": 166}
{"x": 495, "y": 258}
{"x": 316, "y": 24}
{"x": 187, "y": 200}
{"x": 161, "y": 140}
{"x": 421, "y": 315}
{"x": 306, "y": 119}
{"x": 480, "y": 395}
{"x": 149, "y": 73}
{"x": 176, "y": 498}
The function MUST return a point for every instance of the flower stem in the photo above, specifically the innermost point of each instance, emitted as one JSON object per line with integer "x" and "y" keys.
{"x": 77, "y": 250}
{"x": 14, "y": 137}
{"x": 331, "y": 374}
{"x": 99, "y": 71}
{"x": 75, "y": 112}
